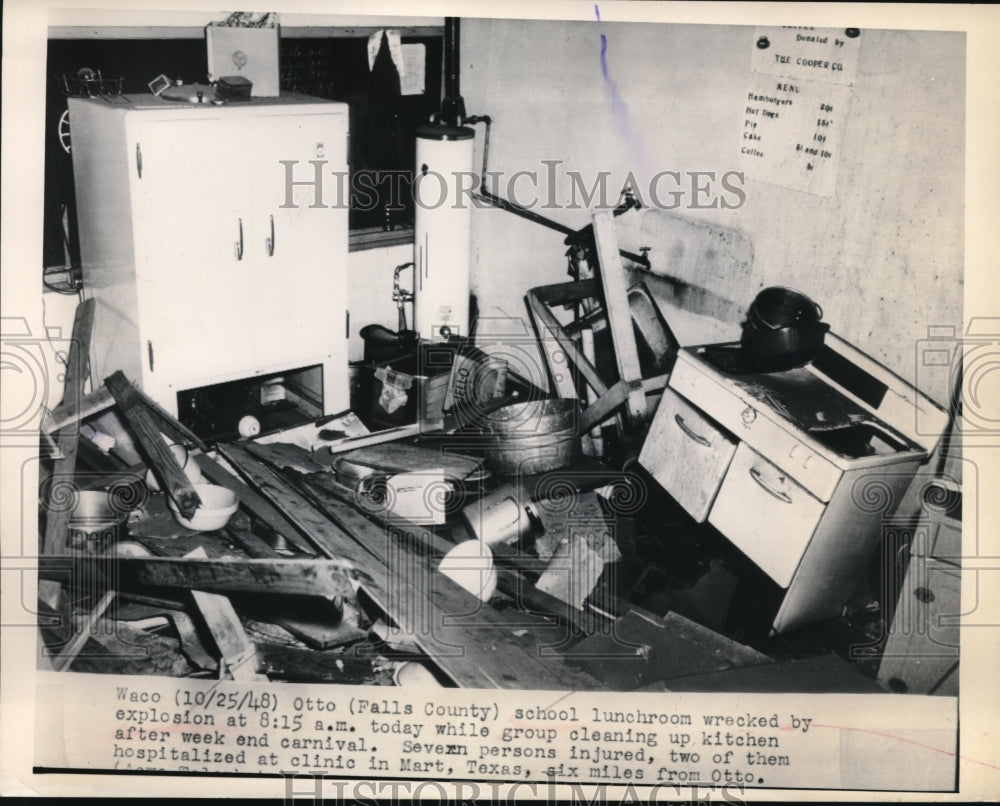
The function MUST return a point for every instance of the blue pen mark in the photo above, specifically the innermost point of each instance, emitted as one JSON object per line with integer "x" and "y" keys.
{"x": 604, "y": 45}
{"x": 621, "y": 116}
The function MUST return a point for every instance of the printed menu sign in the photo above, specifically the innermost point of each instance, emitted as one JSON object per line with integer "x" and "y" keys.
{"x": 796, "y": 106}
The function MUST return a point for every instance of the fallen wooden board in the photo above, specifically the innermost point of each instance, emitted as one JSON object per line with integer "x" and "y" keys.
{"x": 76, "y": 409}
{"x": 642, "y": 648}
{"x": 329, "y": 579}
{"x": 307, "y": 666}
{"x": 328, "y": 494}
{"x": 254, "y": 503}
{"x": 170, "y": 426}
{"x": 616, "y": 304}
{"x": 238, "y": 654}
{"x": 475, "y": 645}
{"x": 140, "y": 422}
{"x": 570, "y": 348}
{"x": 132, "y": 607}
{"x": 320, "y": 628}
{"x": 405, "y": 458}
{"x": 65, "y": 658}
{"x": 57, "y": 516}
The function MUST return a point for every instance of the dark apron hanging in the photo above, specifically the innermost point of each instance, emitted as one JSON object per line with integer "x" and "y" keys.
{"x": 383, "y": 138}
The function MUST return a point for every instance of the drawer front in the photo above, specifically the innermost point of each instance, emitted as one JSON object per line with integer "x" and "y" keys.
{"x": 752, "y": 422}
{"x": 767, "y": 515}
{"x": 687, "y": 454}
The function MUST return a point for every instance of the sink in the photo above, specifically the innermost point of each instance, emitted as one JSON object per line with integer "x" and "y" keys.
{"x": 860, "y": 439}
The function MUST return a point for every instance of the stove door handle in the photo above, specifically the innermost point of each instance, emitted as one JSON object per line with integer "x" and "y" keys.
{"x": 779, "y": 494}
{"x": 687, "y": 430}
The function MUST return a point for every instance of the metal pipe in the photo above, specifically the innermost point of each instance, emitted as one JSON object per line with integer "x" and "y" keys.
{"x": 452, "y": 105}
{"x": 573, "y": 235}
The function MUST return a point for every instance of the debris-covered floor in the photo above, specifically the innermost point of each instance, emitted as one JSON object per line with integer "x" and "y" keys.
{"x": 665, "y": 518}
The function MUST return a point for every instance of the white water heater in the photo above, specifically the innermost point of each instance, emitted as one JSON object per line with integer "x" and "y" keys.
{"x": 442, "y": 249}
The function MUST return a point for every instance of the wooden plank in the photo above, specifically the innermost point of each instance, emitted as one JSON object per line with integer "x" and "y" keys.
{"x": 169, "y": 425}
{"x": 328, "y": 537}
{"x": 77, "y": 408}
{"x": 511, "y": 583}
{"x": 328, "y": 494}
{"x": 318, "y": 630}
{"x": 588, "y": 370}
{"x": 594, "y": 436}
{"x": 473, "y": 644}
{"x": 566, "y": 293}
{"x": 255, "y": 504}
{"x": 561, "y": 357}
{"x": 78, "y": 361}
{"x": 238, "y": 654}
{"x": 605, "y": 405}
{"x": 77, "y": 369}
{"x": 133, "y": 410}
{"x": 296, "y": 665}
{"x": 616, "y": 304}
{"x": 327, "y": 578}
{"x": 318, "y": 627}
{"x": 379, "y": 437}
{"x": 65, "y": 658}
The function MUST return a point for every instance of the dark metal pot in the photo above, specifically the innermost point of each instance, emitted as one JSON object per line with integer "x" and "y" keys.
{"x": 778, "y": 307}
{"x": 784, "y": 348}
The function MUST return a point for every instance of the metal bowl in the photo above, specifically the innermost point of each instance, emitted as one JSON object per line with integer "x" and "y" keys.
{"x": 218, "y": 505}
{"x": 534, "y": 417}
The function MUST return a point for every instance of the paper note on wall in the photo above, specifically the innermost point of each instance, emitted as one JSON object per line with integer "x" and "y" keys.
{"x": 796, "y": 106}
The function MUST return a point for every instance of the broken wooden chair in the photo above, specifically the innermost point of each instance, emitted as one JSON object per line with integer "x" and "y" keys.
{"x": 619, "y": 308}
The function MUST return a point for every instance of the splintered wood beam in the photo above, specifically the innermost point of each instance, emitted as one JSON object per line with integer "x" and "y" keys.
{"x": 75, "y": 409}
{"x": 57, "y": 517}
{"x": 78, "y": 361}
{"x": 326, "y": 536}
{"x": 332, "y": 497}
{"x": 237, "y": 651}
{"x": 256, "y": 504}
{"x": 616, "y": 304}
{"x": 134, "y": 411}
{"x": 604, "y": 406}
{"x": 380, "y": 437}
{"x": 329, "y": 579}
{"x": 474, "y": 644}
{"x": 65, "y": 658}
{"x": 169, "y": 425}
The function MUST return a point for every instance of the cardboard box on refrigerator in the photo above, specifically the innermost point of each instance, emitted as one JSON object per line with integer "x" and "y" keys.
{"x": 248, "y": 52}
